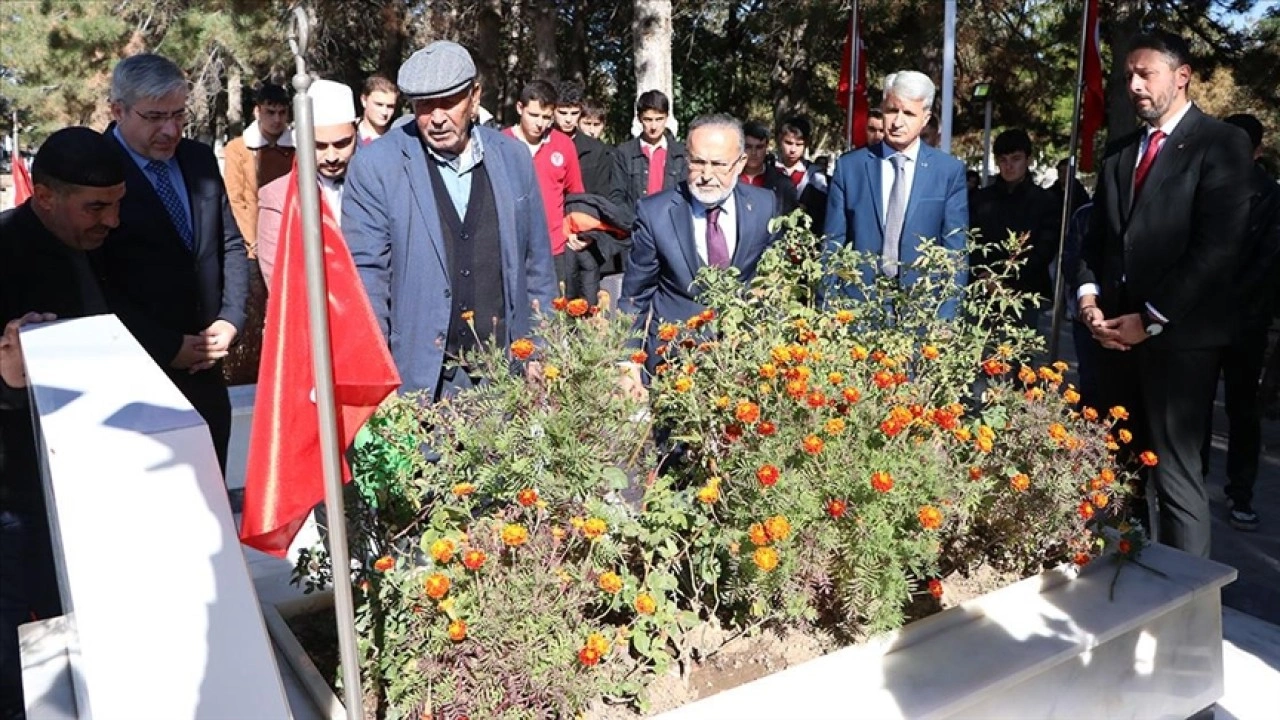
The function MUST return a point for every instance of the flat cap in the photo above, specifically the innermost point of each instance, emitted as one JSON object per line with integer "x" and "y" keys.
{"x": 440, "y": 69}
{"x": 78, "y": 156}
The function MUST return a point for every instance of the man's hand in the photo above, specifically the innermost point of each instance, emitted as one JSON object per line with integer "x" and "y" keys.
{"x": 631, "y": 383}
{"x": 1127, "y": 328}
{"x": 213, "y": 343}
{"x": 576, "y": 243}
{"x": 1094, "y": 319}
{"x": 533, "y": 372}
{"x": 12, "y": 371}
{"x": 190, "y": 354}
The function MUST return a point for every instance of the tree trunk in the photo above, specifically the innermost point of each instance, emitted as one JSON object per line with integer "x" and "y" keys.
{"x": 575, "y": 65}
{"x": 542, "y": 16}
{"x": 651, "y": 33}
{"x": 488, "y": 46}
{"x": 1121, "y": 118}
{"x": 506, "y": 111}
{"x": 393, "y": 39}
{"x": 235, "y": 103}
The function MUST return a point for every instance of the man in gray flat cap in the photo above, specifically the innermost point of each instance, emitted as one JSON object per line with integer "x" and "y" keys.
{"x": 445, "y": 222}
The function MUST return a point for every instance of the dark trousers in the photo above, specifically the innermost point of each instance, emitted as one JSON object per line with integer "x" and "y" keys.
{"x": 1087, "y": 356}
{"x": 584, "y": 278}
{"x": 564, "y": 272}
{"x": 1168, "y": 393}
{"x": 207, "y": 393}
{"x": 28, "y": 591}
{"x": 1241, "y": 369}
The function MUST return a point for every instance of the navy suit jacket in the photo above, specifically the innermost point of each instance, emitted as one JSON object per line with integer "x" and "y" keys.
{"x": 392, "y": 226}
{"x": 937, "y": 208}
{"x": 664, "y": 259}
{"x": 162, "y": 290}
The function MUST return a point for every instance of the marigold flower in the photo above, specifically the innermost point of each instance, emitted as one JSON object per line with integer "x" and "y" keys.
{"x": 985, "y": 445}
{"x": 1026, "y": 375}
{"x": 747, "y": 412}
{"x": 767, "y": 475}
{"x": 777, "y": 527}
{"x": 935, "y": 588}
{"x": 560, "y": 303}
{"x": 837, "y": 508}
{"x": 1035, "y": 394}
{"x": 768, "y": 370}
{"x": 1081, "y": 559}
{"x": 765, "y": 558}
{"x": 442, "y": 550}
{"x": 599, "y": 643}
{"x": 766, "y": 428}
{"x": 963, "y": 434}
{"x": 929, "y": 352}
{"x": 610, "y": 582}
{"x": 1071, "y": 396}
{"x": 578, "y": 307}
{"x": 812, "y": 444}
{"x": 722, "y": 402}
{"x": 798, "y": 353}
{"x": 667, "y": 332}
{"x": 645, "y": 604}
{"x": 834, "y": 426}
{"x": 1125, "y": 436}
{"x": 1108, "y": 475}
{"x": 1119, "y": 413}
{"x": 1020, "y": 482}
{"x": 473, "y": 559}
{"x": 522, "y": 349}
{"x": 975, "y": 473}
{"x": 930, "y": 517}
{"x": 551, "y": 373}
{"x": 797, "y": 388}
{"x": 844, "y": 317}
{"x": 892, "y": 427}
{"x": 881, "y": 481}
{"x": 733, "y": 432}
{"x": 1148, "y": 458}
{"x": 683, "y": 384}
{"x": 384, "y": 563}
{"x": 1124, "y": 546}
{"x": 468, "y": 315}
{"x": 765, "y": 389}
{"x": 707, "y": 315}
{"x": 883, "y": 379}
{"x": 835, "y": 378}
{"x": 594, "y": 527}
{"x": 857, "y": 352}
{"x": 463, "y": 489}
{"x": 993, "y": 367}
{"x": 527, "y": 497}
{"x": 436, "y": 585}
{"x": 1089, "y": 414}
{"x": 758, "y": 535}
{"x": 458, "y": 631}
{"x": 781, "y": 354}
{"x": 1060, "y": 366}
{"x": 514, "y": 535}
{"x": 638, "y": 357}
{"x": 588, "y": 656}
{"x": 816, "y": 399}
{"x": 851, "y": 395}
{"x": 1085, "y": 510}
{"x": 709, "y": 494}
{"x": 1100, "y": 500}
{"x": 693, "y": 323}
{"x": 1057, "y": 431}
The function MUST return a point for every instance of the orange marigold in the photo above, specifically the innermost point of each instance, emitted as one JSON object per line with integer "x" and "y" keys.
{"x": 881, "y": 481}
{"x": 1081, "y": 559}
{"x": 1108, "y": 475}
{"x": 929, "y": 352}
{"x": 527, "y": 497}
{"x": 816, "y": 399}
{"x": 835, "y": 378}
{"x": 667, "y": 332}
{"x": 797, "y": 388}
{"x": 766, "y": 428}
{"x": 1071, "y": 396}
{"x": 560, "y": 303}
{"x": 857, "y": 352}
{"x": 384, "y": 563}
{"x": 747, "y": 412}
{"x": 1119, "y": 413}
{"x": 1026, "y": 375}
{"x": 463, "y": 489}
{"x": 442, "y": 550}
{"x": 514, "y": 535}
{"x": 638, "y": 357}
{"x": 683, "y": 384}
{"x": 777, "y": 527}
{"x": 837, "y": 508}
{"x": 707, "y": 315}
{"x": 765, "y": 558}
{"x": 1100, "y": 500}
{"x": 768, "y": 370}
{"x": 812, "y": 444}
{"x": 851, "y": 395}
{"x": 578, "y": 307}
{"x": 883, "y": 379}
{"x": 758, "y": 535}
{"x": 1085, "y": 510}
{"x": 1125, "y": 436}
{"x": 594, "y": 528}
{"x": 780, "y": 354}
{"x": 1020, "y": 482}
{"x": 610, "y": 582}
{"x": 645, "y": 604}
{"x": 935, "y": 588}
{"x": 522, "y": 348}
{"x": 473, "y": 559}
{"x": 975, "y": 473}
{"x": 458, "y": 631}
{"x": 1148, "y": 458}
{"x": 599, "y": 643}
{"x": 1089, "y": 414}
{"x": 436, "y": 585}
{"x": 930, "y": 517}
{"x": 588, "y": 656}
{"x": 844, "y": 317}
{"x": 834, "y": 426}
{"x": 767, "y": 475}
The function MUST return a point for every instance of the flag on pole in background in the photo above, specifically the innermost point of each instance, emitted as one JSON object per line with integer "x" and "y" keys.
{"x": 284, "y": 479}
{"x": 22, "y": 187}
{"x": 1095, "y": 96}
{"x": 857, "y": 125}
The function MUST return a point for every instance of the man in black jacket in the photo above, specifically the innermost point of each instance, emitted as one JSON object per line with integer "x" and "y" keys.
{"x": 45, "y": 273}
{"x": 761, "y": 172}
{"x": 1157, "y": 274}
{"x": 180, "y": 269}
{"x": 651, "y": 163}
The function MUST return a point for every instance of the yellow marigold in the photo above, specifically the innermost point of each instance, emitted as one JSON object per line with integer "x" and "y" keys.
{"x": 709, "y": 494}
{"x": 757, "y": 534}
{"x": 985, "y": 445}
{"x": 1126, "y": 437}
{"x": 442, "y": 550}
{"x": 594, "y": 528}
{"x": 457, "y": 631}
{"x": 1020, "y": 482}
{"x": 835, "y": 378}
{"x": 610, "y": 582}
{"x": 1071, "y": 396}
{"x": 985, "y": 431}
{"x": 777, "y": 528}
{"x": 768, "y": 370}
{"x": 857, "y": 352}
{"x": 514, "y": 535}
{"x": 1026, "y": 375}
{"x": 683, "y": 384}
{"x": 1119, "y": 413}
{"x": 1004, "y": 351}
{"x": 929, "y": 352}
{"x": 765, "y": 388}
{"x": 834, "y": 426}
{"x": 645, "y": 604}
{"x": 844, "y": 317}
{"x": 963, "y": 434}
{"x": 1057, "y": 431}
{"x": 598, "y": 643}
{"x": 930, "y": 517}
{"x": 780, "y": 354}
{"x": 722, "y": 402}
{"x": 463, "y": 489}
{"x": 765, "y": 558}
{"x": 551, "y": 373}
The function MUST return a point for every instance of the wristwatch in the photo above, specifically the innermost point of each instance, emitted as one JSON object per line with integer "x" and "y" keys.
{"x": 1152, "y": 325}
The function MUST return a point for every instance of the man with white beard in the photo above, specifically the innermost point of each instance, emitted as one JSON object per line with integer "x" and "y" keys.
{"x": 710, "y": 219}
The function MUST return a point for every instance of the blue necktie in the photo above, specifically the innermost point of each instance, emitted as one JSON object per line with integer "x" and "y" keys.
{"x": 172, "y": 204}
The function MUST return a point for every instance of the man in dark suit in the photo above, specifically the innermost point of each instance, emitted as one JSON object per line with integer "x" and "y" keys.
{"x": 1156, "y": 272}
{"x": 651, "y": 163}
{"x": 893, "y": 198}
{"x": 179, "y": 271}
{"x": 444, "y": 221}
{"x": 711, "y": 219}
{"x": 45, "y": 272}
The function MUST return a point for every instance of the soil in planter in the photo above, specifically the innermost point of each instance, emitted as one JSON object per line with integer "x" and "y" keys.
{"x": 317, "y": 632}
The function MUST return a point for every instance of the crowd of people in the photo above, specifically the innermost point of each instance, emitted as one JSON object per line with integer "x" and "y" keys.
{"x": 1171, "y": 265}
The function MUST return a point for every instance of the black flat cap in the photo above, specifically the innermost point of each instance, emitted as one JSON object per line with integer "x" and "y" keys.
{"x": 78, "y": 156}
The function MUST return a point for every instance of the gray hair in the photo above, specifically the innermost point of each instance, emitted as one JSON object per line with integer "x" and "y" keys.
{"x": 145, "y": 77}
{"x": 911, "y": 85}
{"x": 719, "y": 120}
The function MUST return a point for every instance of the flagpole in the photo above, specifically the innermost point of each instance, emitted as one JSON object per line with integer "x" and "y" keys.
{"x": 322, "y": 362}
{"x": 854, "y": 71}
{"x": 948, "y": 74}
{"x": 1068, "y": 184}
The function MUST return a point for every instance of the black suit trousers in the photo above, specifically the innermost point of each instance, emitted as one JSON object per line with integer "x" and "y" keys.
{"x": 207, "y": 393}
{"x": 1241, "y": 370}
{"x": 1168, "y": 393}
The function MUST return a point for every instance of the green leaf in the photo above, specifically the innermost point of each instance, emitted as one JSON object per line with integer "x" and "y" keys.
{"x": 616, "y": 479}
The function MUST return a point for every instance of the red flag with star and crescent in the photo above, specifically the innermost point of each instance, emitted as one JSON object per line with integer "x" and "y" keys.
{"x": 1095, "y": 96}
{"x": 284, "y": 479}
{"x": 22, "y": 187}
{"x": 857, "y": 85}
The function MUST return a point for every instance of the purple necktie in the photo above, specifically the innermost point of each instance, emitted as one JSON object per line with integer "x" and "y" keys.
{"x": 717, "y": 247}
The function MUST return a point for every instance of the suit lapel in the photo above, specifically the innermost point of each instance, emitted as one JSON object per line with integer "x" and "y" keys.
{"x": 504, "y": 200}
{"x": 1170, "y": 159}
{"x": 745, "y": 249}
{"x": 195, "y": 199}
{"x": 681, "y": 212}
{"x": 415, "y": 167}
{"x": 874, "y": 183}
{"x": 923, "y": 175}
{"x": 1124, "y": 167}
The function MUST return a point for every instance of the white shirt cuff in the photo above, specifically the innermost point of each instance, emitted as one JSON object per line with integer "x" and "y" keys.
{"x": 1156, "y": 314}
{"x": 1086, "y": 289}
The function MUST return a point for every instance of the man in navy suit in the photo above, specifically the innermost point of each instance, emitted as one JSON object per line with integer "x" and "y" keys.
{"x": 710, "y": 219}
{"x": 894, "y": 197}
{"x": 178, "y": 268}
{"x": 445, "y": 222}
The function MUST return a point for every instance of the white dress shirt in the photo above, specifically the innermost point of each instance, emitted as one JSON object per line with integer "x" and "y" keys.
{"x": 332, "y": 191}
{"x": 912, "y": 154}
{"x": 728, "y": 222}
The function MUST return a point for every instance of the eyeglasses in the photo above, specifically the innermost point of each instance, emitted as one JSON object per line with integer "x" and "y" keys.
{"x": 717, "y": 166}
{"x": 159, "y": 118}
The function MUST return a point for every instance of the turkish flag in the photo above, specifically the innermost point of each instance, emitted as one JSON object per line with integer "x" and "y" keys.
{"x": 284, "y": 479}
{"x": 22, "y": 188}
{"x": 1095, "y": 96}
{"x": 858, "y": 128}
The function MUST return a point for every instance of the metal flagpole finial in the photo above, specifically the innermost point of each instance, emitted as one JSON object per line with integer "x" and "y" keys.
{"x": 299, "y": 39}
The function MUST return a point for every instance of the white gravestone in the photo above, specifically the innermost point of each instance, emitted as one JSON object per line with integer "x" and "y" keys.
{"x": 165, "y": 622}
